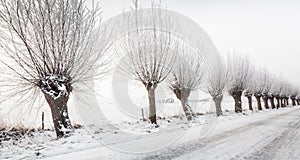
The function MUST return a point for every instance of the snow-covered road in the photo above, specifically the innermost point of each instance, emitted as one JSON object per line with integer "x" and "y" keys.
{"x": 276, "y": 137}
{"x": 266, "y": 135}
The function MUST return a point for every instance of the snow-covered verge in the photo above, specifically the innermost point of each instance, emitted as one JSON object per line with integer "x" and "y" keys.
{"x": 83, "y": 144}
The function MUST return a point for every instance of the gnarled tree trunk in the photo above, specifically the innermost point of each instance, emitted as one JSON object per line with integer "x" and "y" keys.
{"x": 272, "y": 102}
{"x": 218, "y": 100}
{"x": 265, "y": 99}
{"x": 182, "y": 95}
{"x": 56, "y": 89}
{"x": 237, "y": 96}
{"x": 152, "y": 107}
{"x": 278, "y": 102}
{"x": 282, "y": 102}
{"x": 293, "y": 101}
{"x": 60, "y": 116}
{"x": 287, "y": 101}
{"x": 258, "y": 102}
{"x": 249, "y": 97}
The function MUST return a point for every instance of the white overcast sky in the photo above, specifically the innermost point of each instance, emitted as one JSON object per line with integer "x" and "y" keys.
{"x": 267, "y": 30}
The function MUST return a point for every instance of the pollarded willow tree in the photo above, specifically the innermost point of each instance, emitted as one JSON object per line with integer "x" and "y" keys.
{"x": 253, "y": 88}
{"x": 186, "y": 76}
{"x": 249, "y": 91}
{"x": 272, "y": 93}
{"x": 259, "y": 87}
{"x": 294, "y": 91}
{"x": 147, "y": 53}
{"x": 268, "y": 82}
{"x": 216, "y": 83}
{"x": 49, "y": 46}
{"x": 239, "y": 77}
{"x": 298, "y": 99}
{"x": 284, "y": 95}
{"x": 277, "y": 89}
{"x": 283, "y": 91}
{"x": 295, "y": 95}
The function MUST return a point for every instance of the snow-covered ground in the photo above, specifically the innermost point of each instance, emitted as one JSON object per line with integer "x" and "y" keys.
{"x": 123, "y": 135}
{"x": 268, "y": 134}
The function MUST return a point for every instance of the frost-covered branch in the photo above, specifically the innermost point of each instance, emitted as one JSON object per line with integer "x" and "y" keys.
{"x": 239, "y": 77}
{"x": 147, "y": 52}
{"x": 216, "y": 82}
{"x": 187, "y": 75}
{"x": 51, "y": 45}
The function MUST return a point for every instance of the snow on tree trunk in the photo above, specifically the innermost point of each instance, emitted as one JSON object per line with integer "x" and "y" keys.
{"x": 258, "y": 102}
{"x": 218, "y": 100}
{"x": 287, "y": 101}
{"x": 182, "y": 95}
{"x": 56, "y": 89}
{"x": 293, "y": 101}
{"x": 278, "y": 102}
{"x": 152, "y": 107}
{"x": 265, "y": 99}
{"x": 187, "y": 110}
{"x": 60, "y": 116}
{"x": 272, "y": 102}
{"x": 249, "y": 97}
{"x": 282, "y": 102}
{"x": 298, "y": 101}
{"x": 237, "y": 96}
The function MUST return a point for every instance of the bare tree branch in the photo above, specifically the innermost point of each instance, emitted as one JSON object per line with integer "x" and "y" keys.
{"x": 51, "y": 45}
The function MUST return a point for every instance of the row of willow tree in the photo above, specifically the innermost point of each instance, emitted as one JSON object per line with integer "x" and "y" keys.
{"x": 50, "y": 47}
{"x": 250, "y": 81}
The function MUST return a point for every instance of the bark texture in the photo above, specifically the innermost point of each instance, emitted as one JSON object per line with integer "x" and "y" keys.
{"x": 56, "y": 89}
{"x": 278, "y": 105}
{"x": 237, "y": 96}
{"x": 293, "y": 101}
{"x": 60, "y": 116}
{"x": 218, "y": 100}
{"x": 152, "y": 107}
{"x": 249, "y": 97}
{"x": 182, "y": 95}
{"x": 282, "y": 102}
{"x": 265, "y": 99}
{"x": 258, "y": 102}
{"x": 272, "y": 98}
{"x": 287, "y": 101}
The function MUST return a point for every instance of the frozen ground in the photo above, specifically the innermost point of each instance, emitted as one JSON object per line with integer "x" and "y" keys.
{"x": 270, "y": 134}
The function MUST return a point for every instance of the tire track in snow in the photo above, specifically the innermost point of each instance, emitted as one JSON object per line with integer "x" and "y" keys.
{"x": 202, "y": 145}
{"x": 285, "y": 146}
